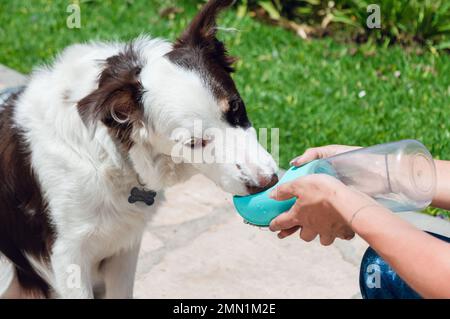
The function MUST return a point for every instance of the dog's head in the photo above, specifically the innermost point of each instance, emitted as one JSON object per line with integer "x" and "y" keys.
{"x": 181, "y": 104}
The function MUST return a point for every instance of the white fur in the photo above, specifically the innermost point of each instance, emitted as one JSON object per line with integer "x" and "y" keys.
{"x": 86, "y": 180}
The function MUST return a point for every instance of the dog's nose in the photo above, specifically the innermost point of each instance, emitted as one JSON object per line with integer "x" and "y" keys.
{"x": 264, "y": 182}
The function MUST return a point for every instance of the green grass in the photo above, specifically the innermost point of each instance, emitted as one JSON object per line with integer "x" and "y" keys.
{"x": 307, "y": 89}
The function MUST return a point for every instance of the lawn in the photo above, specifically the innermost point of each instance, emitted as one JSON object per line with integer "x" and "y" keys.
{"x": 317, "y": 92}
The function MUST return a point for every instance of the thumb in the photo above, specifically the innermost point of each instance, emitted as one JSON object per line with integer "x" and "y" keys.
{"x": 284, "y": 221}
{"x": 309, "y": 155}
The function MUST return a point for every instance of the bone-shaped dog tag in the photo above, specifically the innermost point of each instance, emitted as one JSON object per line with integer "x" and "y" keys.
{"x": 138, "y": 195}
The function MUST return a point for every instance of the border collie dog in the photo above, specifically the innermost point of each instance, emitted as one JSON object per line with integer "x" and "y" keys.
{"x": 95, "y": 125}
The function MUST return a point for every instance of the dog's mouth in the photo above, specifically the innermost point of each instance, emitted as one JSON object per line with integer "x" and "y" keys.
{"x": 266, "y": 184}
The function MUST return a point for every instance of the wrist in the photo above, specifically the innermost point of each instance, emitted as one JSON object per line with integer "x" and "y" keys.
{"x": 366, "y": 217}
{"x": 360, "y": 210}
{"x": 349, "y": 203}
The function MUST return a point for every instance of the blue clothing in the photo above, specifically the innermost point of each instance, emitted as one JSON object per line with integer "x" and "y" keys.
{"x": 377, "y": 280}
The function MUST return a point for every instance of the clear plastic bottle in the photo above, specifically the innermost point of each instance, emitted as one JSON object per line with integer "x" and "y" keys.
{"x": 400, "y": 175}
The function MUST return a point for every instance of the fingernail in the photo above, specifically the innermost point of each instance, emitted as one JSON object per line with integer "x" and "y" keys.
{"x": 295, "y": 160}
{"x": 273, "y": 193}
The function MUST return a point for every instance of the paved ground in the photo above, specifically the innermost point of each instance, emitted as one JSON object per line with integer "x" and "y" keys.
{"x": 197, "y": 247}
{"x": 10, "y": 77}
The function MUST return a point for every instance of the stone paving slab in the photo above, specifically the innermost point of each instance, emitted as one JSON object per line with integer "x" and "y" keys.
{"x": 10, "y": 78}
{"x": 198, "y": 247}
{"x": 204, "y": 250}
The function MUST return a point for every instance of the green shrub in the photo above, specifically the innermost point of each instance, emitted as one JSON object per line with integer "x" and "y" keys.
{"x": 406, "y": 21}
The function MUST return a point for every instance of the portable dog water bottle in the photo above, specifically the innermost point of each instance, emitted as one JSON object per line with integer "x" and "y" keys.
{"x": 400, "y": 175}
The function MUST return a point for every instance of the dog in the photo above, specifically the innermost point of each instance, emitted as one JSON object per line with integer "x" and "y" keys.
{"x": 99, "y": 123}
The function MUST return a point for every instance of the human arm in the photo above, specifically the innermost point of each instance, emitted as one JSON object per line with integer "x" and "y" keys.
{"x": 332, "y": 210}
{"x": 441, "y": 198}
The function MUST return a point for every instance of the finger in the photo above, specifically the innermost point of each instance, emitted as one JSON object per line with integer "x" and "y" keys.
{"x": 326, "y": 240}
{"x": 287, "y": 232}
{"x": 284, "y": 191}
{"x": 309, "y": 155}
{"x": 307, "y": 234}
{"x": 284, "y": 221}
{"x": 346, "y": 235}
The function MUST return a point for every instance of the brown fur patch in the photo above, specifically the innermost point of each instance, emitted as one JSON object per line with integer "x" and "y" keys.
{"x": 117, "y": 100}
{"x": 24, "y": 222}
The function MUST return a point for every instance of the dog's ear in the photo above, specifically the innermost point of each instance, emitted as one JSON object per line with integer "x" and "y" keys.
{"x": 117, "y": 99}
{"x": 200, "y": 35}
{"x": 203, "y": 27}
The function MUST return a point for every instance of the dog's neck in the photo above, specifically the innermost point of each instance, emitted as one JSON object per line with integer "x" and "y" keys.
{"x": 145, "y": 165}
{"x": 122, "y": 173}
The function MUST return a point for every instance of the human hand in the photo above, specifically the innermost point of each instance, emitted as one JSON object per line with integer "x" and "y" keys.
{"x": 321, "y": 152}
{"x": 324, "y": 207}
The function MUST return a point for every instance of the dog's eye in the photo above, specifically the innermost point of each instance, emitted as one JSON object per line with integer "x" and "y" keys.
{"x": 236, "y": 114}
{"x": 197, "y": 142}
